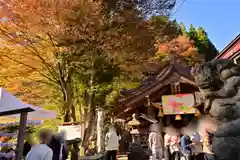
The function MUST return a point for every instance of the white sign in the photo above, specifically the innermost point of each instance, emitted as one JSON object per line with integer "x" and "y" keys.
{"x": 72, "y": 131}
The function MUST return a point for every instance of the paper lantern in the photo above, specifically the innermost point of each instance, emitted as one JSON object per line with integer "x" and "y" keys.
{"x": 160, "y": 113}
{"x": 198, "y": 113}
{"x": 178, "y": 117}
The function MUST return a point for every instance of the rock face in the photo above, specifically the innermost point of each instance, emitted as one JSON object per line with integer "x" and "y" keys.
{"x": 219, "y": 81}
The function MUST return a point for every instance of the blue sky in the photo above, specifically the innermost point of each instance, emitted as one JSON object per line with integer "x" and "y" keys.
{"x": 220, "y": 18}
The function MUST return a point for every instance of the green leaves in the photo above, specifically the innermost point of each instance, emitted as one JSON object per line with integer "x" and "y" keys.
{"x": 205, "y": 47}
{"x": 81, "y": 49}
{"x": 144, "y": 7}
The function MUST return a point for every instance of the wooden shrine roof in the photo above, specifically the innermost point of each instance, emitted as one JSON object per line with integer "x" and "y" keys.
{"x": 230, "y": 50}
{"x": 156, "y": 81}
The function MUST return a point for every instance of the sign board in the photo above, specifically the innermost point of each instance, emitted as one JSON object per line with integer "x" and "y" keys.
{"x": 178, "y": 104}
{"x": 72, "y": 131}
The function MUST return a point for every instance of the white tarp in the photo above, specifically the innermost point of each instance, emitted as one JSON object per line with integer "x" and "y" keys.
{"x": 8, "y": 102}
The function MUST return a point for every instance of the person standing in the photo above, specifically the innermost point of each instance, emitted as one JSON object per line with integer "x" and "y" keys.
{"x": 59, "y": 150}
{"x": 155, "y": 141}
{"x": 27, "y": 145}
{"x": 41, "y": 151}
{"x": 197, "y": 146}
{"x": 207, "y": 147}
{"x": 167, "y": 154}
{"x": 112, "y": 143}
{"x": 185, "y": 146}
{"x": 26, "y": 148}
{"x": 174, "y": 145}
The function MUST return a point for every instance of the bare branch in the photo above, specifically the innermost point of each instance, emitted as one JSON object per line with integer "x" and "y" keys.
{"x": 36, "y": 53}
{"x": 19, "y": 62}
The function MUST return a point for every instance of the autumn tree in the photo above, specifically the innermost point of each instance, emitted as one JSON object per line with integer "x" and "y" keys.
{"x": 80, "y": 48}
{"x": 180, "y": 48}
{"x": 116, "y": 51}
{"x": 32, "y": 43}
{"x": 202, "y": 42}
{"x": 25, "y": 84}
{"x": 38, "y": 28}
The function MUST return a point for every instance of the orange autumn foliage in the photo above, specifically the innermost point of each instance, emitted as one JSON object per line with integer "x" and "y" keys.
{"x": 180, "y": 48}
{"x": 24, "y": 83}
{"x": 27, "y": 52}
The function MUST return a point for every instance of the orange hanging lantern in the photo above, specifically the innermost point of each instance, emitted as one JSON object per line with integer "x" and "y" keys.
{"x": 160, "y": 113}
{"x": 198, "y": 113}
{"x": 178, "y": 117}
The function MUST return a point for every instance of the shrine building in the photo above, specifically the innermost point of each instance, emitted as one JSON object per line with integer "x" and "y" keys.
{"x": 231, "y": 51}
{"x": 167, "y": 95}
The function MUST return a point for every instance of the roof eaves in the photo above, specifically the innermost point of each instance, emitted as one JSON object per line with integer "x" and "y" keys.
{"x": 223, "y": 52}
{"x": 235, "y": 54}
{"x": 161, "y": 76}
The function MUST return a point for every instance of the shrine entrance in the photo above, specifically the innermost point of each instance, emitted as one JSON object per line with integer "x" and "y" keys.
{"x": 168, "y": 96}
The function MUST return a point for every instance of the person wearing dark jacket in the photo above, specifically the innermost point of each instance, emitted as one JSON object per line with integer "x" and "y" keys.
{"x": 27, "y": 144}
{"x": 185, "y": 143}
{"x": 26, "y": 148}
{"x": 59, "y": 149}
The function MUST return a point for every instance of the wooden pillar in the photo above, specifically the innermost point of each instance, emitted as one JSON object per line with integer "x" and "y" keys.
{"x": 150, "y": 109}
{"x": 100, "y": 128}
{"x": 20, "y": 140}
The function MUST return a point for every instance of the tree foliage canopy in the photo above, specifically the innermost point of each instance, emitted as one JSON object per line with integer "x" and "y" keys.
{"x": 144, "y": 7}
{"x": 83, "y": 50}
{"x": 201, "y": 40}
{"x": 78, "y": 54}
{"x": 180, "y": 48}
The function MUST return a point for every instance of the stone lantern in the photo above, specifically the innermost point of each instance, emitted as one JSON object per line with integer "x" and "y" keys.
{"x": 136, "y": 151}
{"x": 134, "y": 124}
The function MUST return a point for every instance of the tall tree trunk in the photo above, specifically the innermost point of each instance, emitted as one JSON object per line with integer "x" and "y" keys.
{"x": 67, "y": 116}
{"x": 73, "y": 113}
{"x": 91, "y": 112}
{"x": 75, "y": 102}
{"x": 68, "y": 102}
{"x": 67, "y": 90}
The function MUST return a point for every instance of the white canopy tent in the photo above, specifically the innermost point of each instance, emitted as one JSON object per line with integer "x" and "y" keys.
{"x": 9, "y": 104}
{"x": 14, "y": 108}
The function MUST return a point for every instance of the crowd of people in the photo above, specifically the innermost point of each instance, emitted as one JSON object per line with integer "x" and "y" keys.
{"x": 162, "y": 145}
{"x": 177, "y": 147}
{"x": 50, "y": 147}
